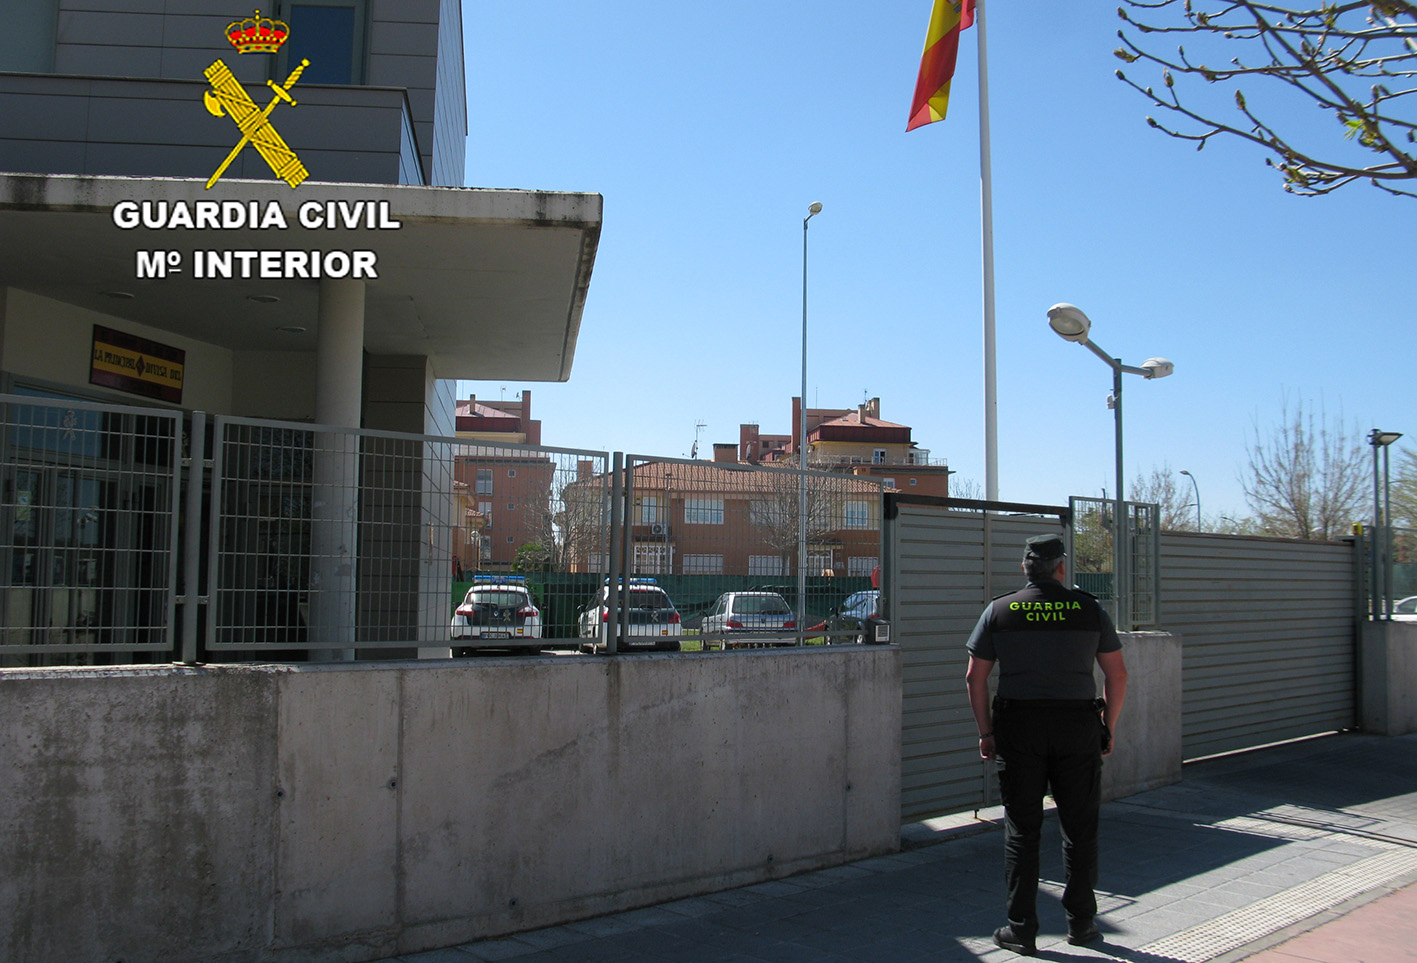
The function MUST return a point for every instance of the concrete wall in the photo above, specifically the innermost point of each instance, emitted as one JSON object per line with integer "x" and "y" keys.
{"x": 1147, "y": 750}
{"x": 357, "y": 811}
{"x": 1388, "y": 685}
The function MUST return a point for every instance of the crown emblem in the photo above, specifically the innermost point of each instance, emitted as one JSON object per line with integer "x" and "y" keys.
{"x": 257, "y": 34}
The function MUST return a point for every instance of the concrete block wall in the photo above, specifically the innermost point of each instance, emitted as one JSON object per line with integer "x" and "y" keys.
{"x": 1147, "y": 751}
{"x": 1388, "y": 677}
{"x": 358, "y": 811}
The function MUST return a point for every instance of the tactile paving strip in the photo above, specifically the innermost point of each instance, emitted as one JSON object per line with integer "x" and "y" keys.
{"x": 1234, "y": 930}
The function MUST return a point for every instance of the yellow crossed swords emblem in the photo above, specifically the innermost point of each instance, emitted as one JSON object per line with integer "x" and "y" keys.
{"x": 227, "y": 96}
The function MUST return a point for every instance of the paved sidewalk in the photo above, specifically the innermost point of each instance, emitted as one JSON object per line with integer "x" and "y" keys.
{"x": 1247, "y": 852}
{"x": 1380, "y": 931}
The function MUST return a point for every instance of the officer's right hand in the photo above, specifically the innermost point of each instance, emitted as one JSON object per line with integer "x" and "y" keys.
{"x": 986, "y": 746}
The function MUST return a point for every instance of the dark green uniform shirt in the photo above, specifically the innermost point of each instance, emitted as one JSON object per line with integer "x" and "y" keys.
{"x": 1045, "y": 638}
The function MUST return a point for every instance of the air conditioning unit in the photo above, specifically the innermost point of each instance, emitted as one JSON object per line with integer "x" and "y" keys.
{"x": 658, "y": 528}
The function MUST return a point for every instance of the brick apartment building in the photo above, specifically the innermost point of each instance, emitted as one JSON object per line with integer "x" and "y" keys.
{"x": 854, "y": 441}
{"x": 504, "y": 494}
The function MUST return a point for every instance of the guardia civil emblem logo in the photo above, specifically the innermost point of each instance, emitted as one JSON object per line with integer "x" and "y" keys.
{"x": 228, "y": 98}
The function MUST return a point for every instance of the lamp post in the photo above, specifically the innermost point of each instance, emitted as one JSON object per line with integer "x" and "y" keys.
{"x": 1198, "y": 497}
{"x": 1381, "y": 606}
{"x": 1071, "y": 324}
{"x": 812, "y": 211}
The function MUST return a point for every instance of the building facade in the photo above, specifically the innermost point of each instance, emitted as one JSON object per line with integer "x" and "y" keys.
{"x": 256, "y": 215}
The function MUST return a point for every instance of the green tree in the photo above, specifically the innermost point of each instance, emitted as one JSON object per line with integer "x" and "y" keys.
{"x": 1356, "y": 61}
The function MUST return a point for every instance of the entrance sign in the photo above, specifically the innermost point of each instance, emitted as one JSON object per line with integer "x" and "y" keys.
{"x": 136, "y": 365}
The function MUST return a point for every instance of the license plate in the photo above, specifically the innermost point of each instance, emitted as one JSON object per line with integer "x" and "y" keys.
{"x": 496, "y": 635}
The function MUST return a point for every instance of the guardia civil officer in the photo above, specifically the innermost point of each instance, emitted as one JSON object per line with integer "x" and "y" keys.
{"x": 1046, "y": 727}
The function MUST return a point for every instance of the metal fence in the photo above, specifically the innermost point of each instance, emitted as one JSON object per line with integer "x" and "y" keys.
{"x": 758, "y": 554}
{"x": 88, "y": 528}
{"x": 1091, "y": 548}
{"x": 133, "y": 534}
{"x": 342, "y": 539}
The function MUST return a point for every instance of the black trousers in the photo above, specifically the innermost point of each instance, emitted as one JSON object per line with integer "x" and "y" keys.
{"x": 1042, "y": 746}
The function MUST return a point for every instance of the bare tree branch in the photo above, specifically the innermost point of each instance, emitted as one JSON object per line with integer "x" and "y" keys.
{"x": 1346, "y": 58}
{"x": 1306, "y": 479}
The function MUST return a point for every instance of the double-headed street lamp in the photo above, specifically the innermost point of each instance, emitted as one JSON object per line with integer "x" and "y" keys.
{"x": 1382, "y": 526}
{"x": 1071, "y": 324}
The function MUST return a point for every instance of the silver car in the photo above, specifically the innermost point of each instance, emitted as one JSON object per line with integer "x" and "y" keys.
{"x": 749, "y": 618}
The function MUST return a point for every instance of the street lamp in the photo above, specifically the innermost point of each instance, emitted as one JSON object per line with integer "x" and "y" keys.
{"x": 1198, "y": 497}
{"x": 812, "y": 211}
{"x": 1071, "y": 324}
{"x": 1382, "y": 508}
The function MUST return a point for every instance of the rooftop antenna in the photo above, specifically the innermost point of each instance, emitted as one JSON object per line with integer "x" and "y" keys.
{"x": 698, "y": 427}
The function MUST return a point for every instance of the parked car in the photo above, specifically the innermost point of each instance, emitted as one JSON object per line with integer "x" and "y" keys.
{"x": 648, "y": 618}
{"x": 1406, "y": 608}
{"x": 496, "y": 611}
{"x": 749, "y": 618}
{"x": 857, "y": 619}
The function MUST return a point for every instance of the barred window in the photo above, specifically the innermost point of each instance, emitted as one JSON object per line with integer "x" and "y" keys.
{"x": 703, "y": 564}
{"x": 703, "y": 511}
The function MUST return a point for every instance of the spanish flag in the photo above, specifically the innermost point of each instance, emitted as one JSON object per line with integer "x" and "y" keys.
{"x": 937, "y": 64}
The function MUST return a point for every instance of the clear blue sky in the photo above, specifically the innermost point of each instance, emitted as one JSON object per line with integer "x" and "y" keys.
{"x": 710, "y": 127}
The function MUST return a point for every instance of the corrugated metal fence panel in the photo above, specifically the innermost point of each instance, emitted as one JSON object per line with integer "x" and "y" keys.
{"x": 939, "y": 589}
{"x": 1267, "y": 629}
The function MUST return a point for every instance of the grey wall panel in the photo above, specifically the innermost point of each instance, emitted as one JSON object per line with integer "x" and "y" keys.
{"x": 1268, "y": 630}
{"x": 77, "y": 125}
{"x": 942, "y": 576}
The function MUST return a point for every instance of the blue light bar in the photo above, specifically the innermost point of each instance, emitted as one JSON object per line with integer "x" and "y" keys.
{"x": 499, "y": 578}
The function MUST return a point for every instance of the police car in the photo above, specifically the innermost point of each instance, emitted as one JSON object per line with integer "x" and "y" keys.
{"x": 648, "y": 619}
{"x": 497, "y": 610}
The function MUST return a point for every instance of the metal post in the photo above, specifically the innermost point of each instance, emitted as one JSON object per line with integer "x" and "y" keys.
{"x": 802, "y": 453}
{"x": 617, "y": 552}
{"x": 986, "y": 212}
{"x": 192, "y": 534}
{"x": 1198, "y": 497}
{"x": 1387, "y": 537}
{"x": 1375, "y": 571}
{"x": 1121, "y": 589}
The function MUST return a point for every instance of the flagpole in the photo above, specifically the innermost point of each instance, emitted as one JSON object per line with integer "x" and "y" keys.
{"x": 986, "y": 203}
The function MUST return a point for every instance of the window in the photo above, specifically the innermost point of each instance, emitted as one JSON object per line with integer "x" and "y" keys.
{"x": 651, "y": 558}
{"x": 878, "y": 457}
{"x": 703, "y": 564}
{"x": 890, "y": 482}
{"x": 650, "y": 510}
{"x": 858, "y": 513}
{"x": 912, "y": 481}
{"x": 484, "y": 481}
{"x": 703, "y": 511}
{"x": 329, "y": 34}
{"x": 764, "y": 565}
{"x": 819, "y": 564}
{"x": 511, "y": 506}
{"x": 861, "y": 565}
{"x": 485, "y": 510}
{"x": 511, "y": 473}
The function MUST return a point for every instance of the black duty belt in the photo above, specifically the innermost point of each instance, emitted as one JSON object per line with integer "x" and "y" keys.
{"x": 1049, "y": 704}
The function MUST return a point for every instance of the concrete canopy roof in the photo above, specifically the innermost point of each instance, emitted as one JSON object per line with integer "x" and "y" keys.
{"x": 488, "y": 284}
